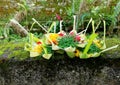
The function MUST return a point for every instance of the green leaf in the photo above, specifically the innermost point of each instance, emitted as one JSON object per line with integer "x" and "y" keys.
{"x": 70, "y": 51}
{"x": 83, "y": 56}
{"x": 93, "y": 48}
{"x": 67, "y": 41}
{"x": 92, "y": 37}
{"x": 53, "y": 24}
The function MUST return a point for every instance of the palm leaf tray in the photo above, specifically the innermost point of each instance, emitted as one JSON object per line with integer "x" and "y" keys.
{"x": 73, "y": 44}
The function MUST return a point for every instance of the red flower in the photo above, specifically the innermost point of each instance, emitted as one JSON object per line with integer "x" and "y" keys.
{"x": 58, "y": 17}
{"x": 62, "y": 33}
{"x": 39, "y": 43}
{"x": 77, "y": 38}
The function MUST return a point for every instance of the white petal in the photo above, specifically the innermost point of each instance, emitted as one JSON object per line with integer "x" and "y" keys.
{"x": 34, "y": 54}
{"x": 69, "y": 49}
{"x": 82, "y": 45}
{"x": 55, "y": 47}
{"x": 47, "y": 56}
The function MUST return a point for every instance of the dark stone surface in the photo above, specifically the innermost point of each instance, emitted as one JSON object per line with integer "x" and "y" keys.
{"x": 95, "y": 71}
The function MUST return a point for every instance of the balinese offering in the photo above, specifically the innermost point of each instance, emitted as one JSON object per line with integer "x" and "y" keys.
{"x": 73, "y": 43}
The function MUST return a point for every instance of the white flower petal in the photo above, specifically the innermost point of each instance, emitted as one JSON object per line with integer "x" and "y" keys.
{"x": 47, "y": 56}
{"x": 69, "y": 49}
{"x": 55, "y": 47}
{"x": 34, "y": 54}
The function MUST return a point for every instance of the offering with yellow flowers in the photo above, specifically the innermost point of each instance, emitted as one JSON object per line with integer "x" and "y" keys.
{"x": 73, "y": 44}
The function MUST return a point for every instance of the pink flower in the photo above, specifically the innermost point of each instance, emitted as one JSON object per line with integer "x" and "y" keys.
{"x": 73, "y": 32}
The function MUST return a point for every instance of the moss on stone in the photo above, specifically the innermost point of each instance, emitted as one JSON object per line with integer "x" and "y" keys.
{"x": 112, "y": 42}
{"x": 19, "y": 54}
{"x": 114, "y": 53}
{"x": 13, "y": 49}
{"x": 1, "y": 52}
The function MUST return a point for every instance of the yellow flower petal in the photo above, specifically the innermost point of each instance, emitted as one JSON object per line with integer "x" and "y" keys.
{"x": 97, "y": 43}
{"x": 53, "y": 37}
{"x": 38, "y": 49}
{"x": 77, "y": 53}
